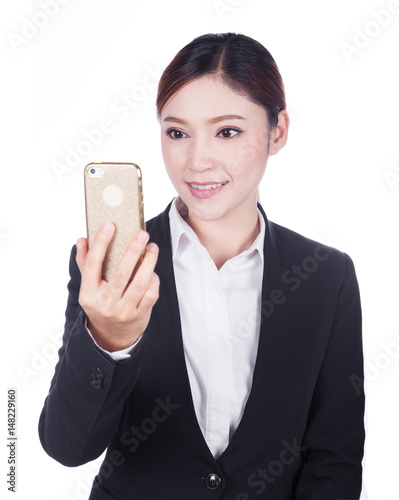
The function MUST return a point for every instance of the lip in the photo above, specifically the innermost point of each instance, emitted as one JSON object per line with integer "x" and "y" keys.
{"x": 205, "y": 193}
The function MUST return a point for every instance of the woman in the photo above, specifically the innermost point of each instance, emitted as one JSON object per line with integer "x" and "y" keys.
{"x": 225, "y": 368}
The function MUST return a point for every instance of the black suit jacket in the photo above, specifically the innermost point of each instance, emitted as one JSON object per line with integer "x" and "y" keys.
{"x": 301, "y": 436}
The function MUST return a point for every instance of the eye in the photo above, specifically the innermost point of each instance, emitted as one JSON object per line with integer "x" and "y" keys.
{"x": 228, "y": 132}
{"x": 175, "y": 134}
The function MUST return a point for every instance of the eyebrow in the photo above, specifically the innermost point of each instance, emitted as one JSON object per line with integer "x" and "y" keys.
{"x": 211, "y": 121}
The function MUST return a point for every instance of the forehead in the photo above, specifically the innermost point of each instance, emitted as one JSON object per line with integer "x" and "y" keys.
{"x": 208, "y": 97}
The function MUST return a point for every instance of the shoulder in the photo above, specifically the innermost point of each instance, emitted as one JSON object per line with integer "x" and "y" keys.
{"x": 293, "y": 243}
{"x": 161, "y": 219}
{"x": 296, "y": 251}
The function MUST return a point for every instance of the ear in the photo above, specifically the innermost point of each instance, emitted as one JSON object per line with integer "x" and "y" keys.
{"x": 279, "y": 134}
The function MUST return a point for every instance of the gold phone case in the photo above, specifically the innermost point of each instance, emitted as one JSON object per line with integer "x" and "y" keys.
{"x": 113, "y": 192}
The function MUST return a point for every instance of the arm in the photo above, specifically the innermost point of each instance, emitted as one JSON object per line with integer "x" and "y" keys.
{"x": 334, "y": 437}
{"x": 89, "y": 388}
{"x": 83, "y": 408}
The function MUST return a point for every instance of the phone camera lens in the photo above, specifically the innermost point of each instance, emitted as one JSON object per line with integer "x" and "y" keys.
{"x": 93, "y": 171}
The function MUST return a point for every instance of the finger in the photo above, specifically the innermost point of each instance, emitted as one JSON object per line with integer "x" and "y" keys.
{"x": 141, "y": 281}
{"x": 95, "y": 255}
{"x": 123, "y": 270}
{"x": 81, "y": 252}
{"x": 151, "y": 295}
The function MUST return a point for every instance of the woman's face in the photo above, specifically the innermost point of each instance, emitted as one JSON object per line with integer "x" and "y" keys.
{"x": 215, "y": 145}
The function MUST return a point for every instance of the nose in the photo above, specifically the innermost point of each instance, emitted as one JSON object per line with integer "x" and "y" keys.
{"x": 200, "y": 156}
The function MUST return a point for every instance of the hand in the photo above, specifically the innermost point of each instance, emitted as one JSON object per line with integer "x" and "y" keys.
{"x": 118, "y": 314}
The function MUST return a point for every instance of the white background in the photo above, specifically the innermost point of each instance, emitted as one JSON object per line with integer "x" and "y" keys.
{"x": 336, "y": 181}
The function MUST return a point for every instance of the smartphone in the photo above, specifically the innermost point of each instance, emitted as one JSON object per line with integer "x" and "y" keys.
{"x": 114, "y": 193}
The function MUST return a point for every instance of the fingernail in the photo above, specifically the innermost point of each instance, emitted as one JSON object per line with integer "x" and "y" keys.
{"x": 152, "y": 247}
{"x": 107, "y": 227}
{"x": 142, "y": 236}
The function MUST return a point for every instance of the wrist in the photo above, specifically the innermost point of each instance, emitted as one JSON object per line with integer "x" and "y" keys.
{"x": 110, "y": 342}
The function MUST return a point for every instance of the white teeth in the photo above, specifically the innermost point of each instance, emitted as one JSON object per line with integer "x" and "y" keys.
{"x": 208, "y": 186}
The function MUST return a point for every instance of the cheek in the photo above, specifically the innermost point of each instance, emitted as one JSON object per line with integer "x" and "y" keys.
{"x": 168, "y": 154}
{"x": 164, "y": 148}
{"x": 257, "y": 146}
{"x": 173, "y": 161}
{"x": 251, "y": 155}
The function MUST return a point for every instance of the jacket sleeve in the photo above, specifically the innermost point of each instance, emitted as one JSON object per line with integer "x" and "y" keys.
{"x": 88, "y": 390}
{"x": 334, "y": 437}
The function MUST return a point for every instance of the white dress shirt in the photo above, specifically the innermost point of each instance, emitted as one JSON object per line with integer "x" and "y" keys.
{"x": 220, "y": 318}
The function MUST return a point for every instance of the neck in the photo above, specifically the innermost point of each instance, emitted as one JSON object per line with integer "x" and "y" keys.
{"x": 227, "y": 237}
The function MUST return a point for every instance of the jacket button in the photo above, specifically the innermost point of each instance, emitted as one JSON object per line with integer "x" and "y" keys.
{"x": 213, "y": 481}
{"x": 97, "y": 378}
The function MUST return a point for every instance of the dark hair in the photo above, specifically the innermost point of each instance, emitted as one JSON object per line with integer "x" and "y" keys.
{"x": 242, "y": 63}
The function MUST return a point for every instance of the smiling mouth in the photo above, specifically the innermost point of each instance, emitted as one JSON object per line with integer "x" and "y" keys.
{"x": 205, "y": 187}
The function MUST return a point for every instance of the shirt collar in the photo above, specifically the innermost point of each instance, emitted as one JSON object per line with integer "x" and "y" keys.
{"x": 182, "y": 233}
